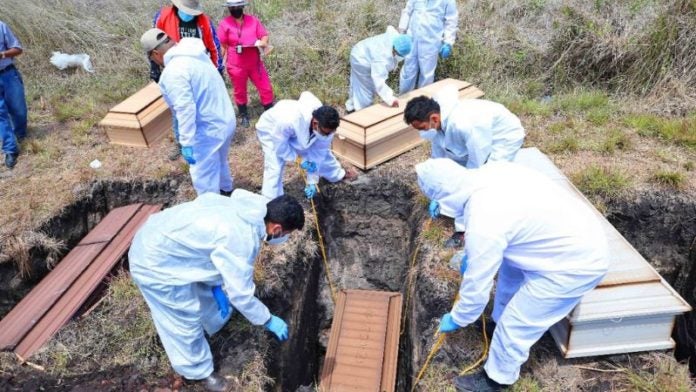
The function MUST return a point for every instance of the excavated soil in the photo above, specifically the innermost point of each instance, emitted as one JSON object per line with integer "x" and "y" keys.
{"x": 371, "y": 230}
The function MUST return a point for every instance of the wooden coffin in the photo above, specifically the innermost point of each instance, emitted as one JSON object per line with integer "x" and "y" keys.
{"x": 140, "y": 121}
{"x": 364, "y": 343}
{"x": 632, "y": 309}
{"x": 378, "y": 133}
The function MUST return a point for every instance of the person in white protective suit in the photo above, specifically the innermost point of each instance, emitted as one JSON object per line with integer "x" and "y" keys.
{"x": 371, "y": 60}
{"x": 433, "y": 26}
{"x": 194, "y": 264}
{"x": 469, "y": 131}
{"x": 301, "y": 129}
{"x": 196, "y": 94}
{"x": 547, "y": 248}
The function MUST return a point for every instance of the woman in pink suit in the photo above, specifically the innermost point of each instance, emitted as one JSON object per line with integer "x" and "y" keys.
{"x": 243, "y": 37}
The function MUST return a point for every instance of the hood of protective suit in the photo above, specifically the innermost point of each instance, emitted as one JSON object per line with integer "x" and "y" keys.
{"x": 187, "y": 47}
{"x": 450, "y": 184}
{"x": 308, "y": 104}
{"x": 447, "y": 98}
{"x": 254, "y": 206}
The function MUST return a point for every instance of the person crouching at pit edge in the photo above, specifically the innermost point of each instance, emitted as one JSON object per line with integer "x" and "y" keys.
{"x": 194, "y": 265}
{"x": 547, "y": 248}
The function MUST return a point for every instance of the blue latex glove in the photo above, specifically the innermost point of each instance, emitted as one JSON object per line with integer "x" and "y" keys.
{"x": 187, "y": 153}
{"x": 310, "y": 191}
{"x": 434, "y": 209}
{"x": 278, "y": 327}
{"x": 464, "y": 264}
{"x": 222, "y": 302}
{"x": 447, "y": 324}
{"x": 445, "y": 51}
{"x": 309, "y": 166}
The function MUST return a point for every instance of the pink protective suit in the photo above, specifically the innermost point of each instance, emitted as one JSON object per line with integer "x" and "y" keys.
{"x": 247, "y": 64}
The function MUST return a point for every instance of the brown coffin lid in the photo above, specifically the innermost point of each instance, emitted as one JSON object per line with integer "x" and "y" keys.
{"x": 139, "y": 101}
{"x": 364, "y": 342}
{"x": 16, "y": 324}
{"x": 84, "y": 285}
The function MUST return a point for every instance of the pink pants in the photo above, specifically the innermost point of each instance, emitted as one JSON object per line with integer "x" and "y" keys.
{"x": 259, "y": 77}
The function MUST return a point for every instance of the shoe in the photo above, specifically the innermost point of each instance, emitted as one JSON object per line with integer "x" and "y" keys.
{"x": 266, "y": 107}
{"x": 477, "y": 382}
{"x": 244, "y": 122}
{"x": 243, "y": 116}
{"x": 215, "y": 383}
{"x": 226, "y": 193}
{"x": 456, "y": 241}
{"x": 11, "y": 160}
{"x": 175, "y": 153}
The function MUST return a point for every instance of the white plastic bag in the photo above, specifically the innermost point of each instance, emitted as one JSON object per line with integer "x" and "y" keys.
{"x": 63, "y": 61}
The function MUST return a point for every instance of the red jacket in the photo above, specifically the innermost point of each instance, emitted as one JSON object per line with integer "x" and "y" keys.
{"x": 168, "y": 21}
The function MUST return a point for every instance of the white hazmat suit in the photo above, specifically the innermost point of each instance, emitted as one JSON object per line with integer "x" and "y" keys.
{"x": 285, "y": 134}
{"x": 475, "y": 131}
{"x": 371, "y": 60}
{"x": 197, "y": 96}
{"x": 431, "y": 23}
{"x": 177, "y": 257}
{"x": 546, "y": 246}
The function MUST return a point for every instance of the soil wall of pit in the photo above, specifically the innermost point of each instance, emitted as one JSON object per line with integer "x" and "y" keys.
{"x": 73, "y": 223}
{"x": 662, "y": 227}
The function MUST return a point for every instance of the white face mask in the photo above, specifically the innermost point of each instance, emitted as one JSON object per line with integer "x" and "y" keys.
{"x": 429, "y": 134}
{"x": 321, "y": 136}
{"x": 271, "y": 240}
{"x": 398, "y": 58}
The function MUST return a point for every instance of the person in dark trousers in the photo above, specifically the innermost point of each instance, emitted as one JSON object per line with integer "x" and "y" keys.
{"x": 13, "y": 104}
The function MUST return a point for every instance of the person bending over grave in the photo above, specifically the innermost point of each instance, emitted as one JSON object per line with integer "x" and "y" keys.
{"x": 546, "y": 247}
{"x": 303, "y": 130}
{"x": 198, "y": 98}
{"x": 194, "y": 265}
{"x": 469, "y": 131}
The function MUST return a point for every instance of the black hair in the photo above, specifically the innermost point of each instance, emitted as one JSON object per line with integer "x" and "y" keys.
{"x": 286, "y": 211}
{"x": 327, "y": 117}
{"x": 420, "y": 109}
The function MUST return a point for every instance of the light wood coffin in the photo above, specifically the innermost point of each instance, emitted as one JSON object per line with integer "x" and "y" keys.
{"x": 632, "y": 309}
{"x": 378, "y": 133}
{"x": 364, "y": 343}
{"x": 141, "y": 120}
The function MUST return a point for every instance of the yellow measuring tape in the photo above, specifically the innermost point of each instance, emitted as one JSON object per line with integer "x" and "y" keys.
{"x": 440, "y": 337}
{"x": 298, "y": 161}
{"x": 411, "y": 281}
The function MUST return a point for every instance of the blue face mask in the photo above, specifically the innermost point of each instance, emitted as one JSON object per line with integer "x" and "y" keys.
{"x": 184, "y": 16}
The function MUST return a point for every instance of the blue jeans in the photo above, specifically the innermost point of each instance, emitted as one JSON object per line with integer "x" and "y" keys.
{"x": 13, "y": 110}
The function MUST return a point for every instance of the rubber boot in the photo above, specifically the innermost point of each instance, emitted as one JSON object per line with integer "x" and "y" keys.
{"x": 243, "y": 116}
{"x": 477, "y": 382}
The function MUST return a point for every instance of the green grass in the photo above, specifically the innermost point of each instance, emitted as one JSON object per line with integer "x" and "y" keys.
{"x": 528, "y": 107}
{"x": 616, "y": 140}
{"x": 670, "y": 179}
{"x": 526, "y": 384}
{"x": 569, "y": 143}
{"x": 600, "y": 181}
{"x": 680, "y": 131}
{"x": 582, "y": 101}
